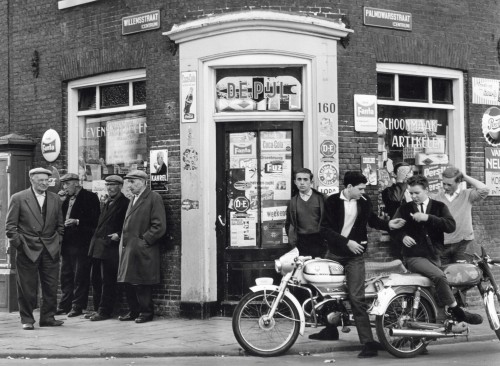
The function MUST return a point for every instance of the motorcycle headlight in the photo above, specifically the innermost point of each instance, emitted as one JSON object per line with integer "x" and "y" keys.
{"x": 277, "y": 265}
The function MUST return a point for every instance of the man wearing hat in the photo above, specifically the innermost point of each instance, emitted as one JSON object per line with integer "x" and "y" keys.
{"x": 104, "y": 249}
{"x": 80, "y": 211}
{"x": 35, "y": 228}
{"x": 139, "y": 269}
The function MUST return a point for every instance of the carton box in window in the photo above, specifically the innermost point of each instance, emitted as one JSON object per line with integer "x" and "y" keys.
{"x": 431, "y": 159}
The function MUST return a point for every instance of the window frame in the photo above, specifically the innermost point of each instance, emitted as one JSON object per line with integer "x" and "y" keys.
{"x": 456, "y": 110}
{"x": 64, "y": 4}
{"x": 74, "y": 115}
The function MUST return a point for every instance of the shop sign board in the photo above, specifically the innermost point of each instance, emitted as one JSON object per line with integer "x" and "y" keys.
{"x": 491, "y": 126}
{"x": 365, "y": 113}
{"x": 485, "y": 91}
{"x": 51, "y": 145}
{"x": 492, "y": 169}
{"x": 387, "y": 18}
{"x": 158, "y": 165}
{"x": 188, "y": 97}
{"x": 141, "y": 22}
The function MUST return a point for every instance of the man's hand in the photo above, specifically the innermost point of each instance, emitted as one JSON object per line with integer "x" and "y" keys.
{"x": 114, "y": 237}
{"x": 71, "y": 222}
{"x": 409, "y": 241}
{"x": 396, "y": 224}
{"x": 420, "y": 217}
{"x": 355, "y": 247}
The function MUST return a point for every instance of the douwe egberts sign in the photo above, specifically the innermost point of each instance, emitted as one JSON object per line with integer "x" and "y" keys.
{"x": 141, "y": 22}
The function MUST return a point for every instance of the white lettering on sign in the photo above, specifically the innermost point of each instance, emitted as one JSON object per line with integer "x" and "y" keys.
{"x": 366, "y": 111}
{"x": 417, "y": 141}
{"x": 413, "y": 125}
{"x": 141, "y": 19}
{"x": 493, "y": 163}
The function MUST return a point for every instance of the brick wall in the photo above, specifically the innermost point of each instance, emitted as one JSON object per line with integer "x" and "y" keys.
{"x": 86, "y": 40}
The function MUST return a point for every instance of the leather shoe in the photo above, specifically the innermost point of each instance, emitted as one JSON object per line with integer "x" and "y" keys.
{"x": 127, "y": 318}
{"x": 51, "y": 323}
{"x": 61, "y": 312}
{"x": 75, "y": 312}
{"x": 143, "y": 319}
{"x": 28, "y": 326}
{"x": 369, "y": 350}
{"x": 89, "y": 315}
{"x": 98, "y": 317}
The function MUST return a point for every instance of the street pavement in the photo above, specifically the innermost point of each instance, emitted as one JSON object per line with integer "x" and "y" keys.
{"x": 81, "y": 338}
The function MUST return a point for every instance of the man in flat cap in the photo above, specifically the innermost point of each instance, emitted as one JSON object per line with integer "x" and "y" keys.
{"x": 35, "y": 228}
{"x": 104, "y": 249}
{"x": 80, "y": 211}
{"x": 139, "y": 269}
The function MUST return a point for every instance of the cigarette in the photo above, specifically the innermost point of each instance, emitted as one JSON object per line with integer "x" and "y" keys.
{"x": 363, "y": 197}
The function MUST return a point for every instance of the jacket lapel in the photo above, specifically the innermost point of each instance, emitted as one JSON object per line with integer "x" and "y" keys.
{"x": 139, "y": 202}
{"x": 32, "y": 203}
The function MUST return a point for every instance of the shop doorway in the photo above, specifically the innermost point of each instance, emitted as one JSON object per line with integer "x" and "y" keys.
{"x": 255, "y": 161}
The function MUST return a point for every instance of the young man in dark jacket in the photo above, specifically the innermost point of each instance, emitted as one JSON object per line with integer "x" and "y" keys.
{"x": 344, "y": 227}
{"x": 423, "y": 242}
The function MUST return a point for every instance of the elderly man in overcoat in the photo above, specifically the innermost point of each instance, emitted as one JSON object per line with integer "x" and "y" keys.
{"x": 35, "y": 228}
{"x": 104, "y": 250}
{"x": 139, "y": 269}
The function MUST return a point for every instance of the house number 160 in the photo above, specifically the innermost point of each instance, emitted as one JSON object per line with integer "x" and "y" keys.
{"x": 326, "y": 107}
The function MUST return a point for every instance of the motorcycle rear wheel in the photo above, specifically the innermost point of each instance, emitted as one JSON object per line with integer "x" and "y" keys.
{"x": 261, "y": 336}
{"x": 491, "y": 311}
{"x": 394, "y": 318}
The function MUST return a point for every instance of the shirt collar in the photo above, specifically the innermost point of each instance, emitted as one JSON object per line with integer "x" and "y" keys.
{"x": 308, "y": 194}
{"x": 343, "y": 197}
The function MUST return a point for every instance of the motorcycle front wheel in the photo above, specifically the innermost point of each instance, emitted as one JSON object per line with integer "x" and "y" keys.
{"x": 491, "y": 311}
{"x": 260, "y": 335}
{"x": 398, "y": 312}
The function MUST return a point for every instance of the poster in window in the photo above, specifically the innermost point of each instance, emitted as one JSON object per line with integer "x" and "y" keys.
{"x": 124, "y": 138}
{"x": 492, "y": 169}
{"x": 158, "y": 165}
{"x": 188, "y": 97}
{"x": 369, "y": 169}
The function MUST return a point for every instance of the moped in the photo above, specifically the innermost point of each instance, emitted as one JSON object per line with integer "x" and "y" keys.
{"x": 268, "y": 320}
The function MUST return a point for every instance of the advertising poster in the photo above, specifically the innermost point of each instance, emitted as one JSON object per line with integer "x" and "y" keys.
{"x": 124, "y": 138}
{"x": 433, "y": 173}
{"x": 365, "y": 113}
{"x": 158, "y": 165}
{"x": 369, "y": 169}
{"x": 492, "y": 170}
{"x": 188, "y": 97}
{"x": 491, "y": 126}
{"x": 485, "y": 91}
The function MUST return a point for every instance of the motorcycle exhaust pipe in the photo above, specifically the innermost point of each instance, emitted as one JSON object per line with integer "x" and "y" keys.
{"x": 422, "y": 333}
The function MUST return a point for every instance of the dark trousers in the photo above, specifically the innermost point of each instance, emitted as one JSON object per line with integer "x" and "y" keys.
{"x": 104, "y": 286}
{"x": 431, "y": 270}
{"x": 75, "y": 279}
{"x": 454, "y": 252}
{"x": 140, "y": 300}
{"x": 27, "y": 274}
{"x": 355, "y": 278}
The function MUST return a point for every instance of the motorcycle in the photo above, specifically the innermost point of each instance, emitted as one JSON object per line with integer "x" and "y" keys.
{"x": 268, "y": 320}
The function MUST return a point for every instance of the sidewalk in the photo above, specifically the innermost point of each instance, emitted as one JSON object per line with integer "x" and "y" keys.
{"x": 81, "y": 338}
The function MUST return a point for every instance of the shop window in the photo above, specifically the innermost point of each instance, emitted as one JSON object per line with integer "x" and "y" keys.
{"x": 259, "y": 89}
{"x": 421, "y": 123}
{"x": 107, "y": 128}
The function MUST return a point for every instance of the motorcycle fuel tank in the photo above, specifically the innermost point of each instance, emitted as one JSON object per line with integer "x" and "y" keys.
{"x": 324, "y": 272}
{"x": 462, "y": 274}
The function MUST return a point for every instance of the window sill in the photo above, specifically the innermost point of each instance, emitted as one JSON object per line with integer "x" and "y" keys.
{"x": 64, "y": 4}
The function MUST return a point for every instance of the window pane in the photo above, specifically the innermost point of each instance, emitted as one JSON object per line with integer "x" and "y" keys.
{"x": 442, "y": 91}
{"x": 385, "y": 86}
{"x": 86, "y": 99}
{"x": 114, "y": 95}
{"x": 111, "y": 144}
{"x": 139, "y": 92}
{"x": 413, "y": 88}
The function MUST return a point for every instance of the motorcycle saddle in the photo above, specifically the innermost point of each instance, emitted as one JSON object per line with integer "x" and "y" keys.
{"x": 407, "y": 279}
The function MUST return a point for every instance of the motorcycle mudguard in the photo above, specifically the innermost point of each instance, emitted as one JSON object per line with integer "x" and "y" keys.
{"x": 385, "y": 295}
{"x": 290, "y": 297}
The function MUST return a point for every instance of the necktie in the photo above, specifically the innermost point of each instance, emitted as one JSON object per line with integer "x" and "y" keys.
{"x": 421, "y": 207}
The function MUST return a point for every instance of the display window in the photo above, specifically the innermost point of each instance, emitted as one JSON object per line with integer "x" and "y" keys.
{"x": 108, "y": 129}
{"x": 420, "y": 121}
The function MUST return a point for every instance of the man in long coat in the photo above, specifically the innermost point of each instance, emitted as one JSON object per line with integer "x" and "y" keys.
{"x": 81, "y": 211}
{"x": 35, "y": 228}
{"x": 104, "y": 250}
{"x": 139, "y": 269}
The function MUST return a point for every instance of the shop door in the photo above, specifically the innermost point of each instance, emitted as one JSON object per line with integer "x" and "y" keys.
{"x": 255, "y": 161}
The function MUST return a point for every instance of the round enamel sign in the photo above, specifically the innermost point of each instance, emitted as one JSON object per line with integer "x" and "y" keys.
{"x": 51, "y": 145}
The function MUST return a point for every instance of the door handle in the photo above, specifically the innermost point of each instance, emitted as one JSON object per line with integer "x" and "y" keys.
{"x": 220, "y": 220}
